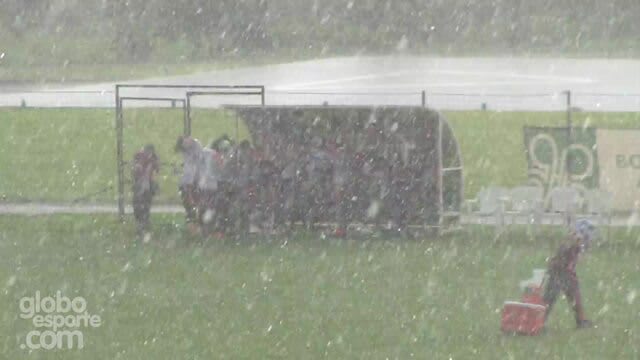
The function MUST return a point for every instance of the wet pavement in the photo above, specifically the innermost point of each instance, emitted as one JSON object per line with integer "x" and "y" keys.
{"x": 449, "y": 84}
{"x": 38, "y": 209}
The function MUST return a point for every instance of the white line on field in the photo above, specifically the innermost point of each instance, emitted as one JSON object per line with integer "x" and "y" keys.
{"x": 553, "y": 78}
{"x": 404, "y": 86}
{"x": 295, "y": 86}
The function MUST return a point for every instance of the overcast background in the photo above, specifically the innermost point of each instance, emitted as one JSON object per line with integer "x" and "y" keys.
{"x": 63, "y": 32}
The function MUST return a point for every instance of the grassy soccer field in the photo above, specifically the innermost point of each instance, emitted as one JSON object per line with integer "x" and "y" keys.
{"x": 66, "y": 154}
{"x": 307, "y": 297}
{"x": 302, "y": 297}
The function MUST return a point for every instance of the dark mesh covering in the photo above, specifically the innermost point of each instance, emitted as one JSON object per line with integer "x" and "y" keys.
{"x": 383, "y": 162}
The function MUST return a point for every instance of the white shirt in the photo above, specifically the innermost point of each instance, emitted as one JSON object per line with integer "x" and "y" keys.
{"x": 191, "y": 157}
{"x": 209, "y": 171}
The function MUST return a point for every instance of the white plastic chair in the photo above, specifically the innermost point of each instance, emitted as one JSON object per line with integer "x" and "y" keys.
{"x": 526, "y": 201}
{"x": 490, "y": 203}
{"x": 565, "y": 201}
{"x": 599, "y": 204}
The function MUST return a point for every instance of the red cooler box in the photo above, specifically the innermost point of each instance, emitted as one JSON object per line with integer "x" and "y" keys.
{"x": 522, "y": 318}
{"x": 533, "y": 295}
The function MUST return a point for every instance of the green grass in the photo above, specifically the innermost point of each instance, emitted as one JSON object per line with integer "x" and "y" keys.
{"x": 65, "y": 154}
{"x": 19, "y": 72}
{"x": 492, "y": 143}
{"x": 78, "y": 73}
{"x": 306, "y": 297}
{"x": 35, "y": 74}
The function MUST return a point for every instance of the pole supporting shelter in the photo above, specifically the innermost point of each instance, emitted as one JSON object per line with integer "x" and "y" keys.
{"x": 570, "y": 135}
{"x": 170, "y": 94}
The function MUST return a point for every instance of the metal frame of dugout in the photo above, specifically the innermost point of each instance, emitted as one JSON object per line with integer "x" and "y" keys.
{"x": 448, "y": 194}
{"x": 188, "y": 92}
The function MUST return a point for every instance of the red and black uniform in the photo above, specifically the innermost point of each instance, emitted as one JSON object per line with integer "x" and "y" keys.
{"x": 145, "y": 165}
{"x": 191, "y": 151}
{"x": 563, "y": 278}
{"x": 209, "y": 172}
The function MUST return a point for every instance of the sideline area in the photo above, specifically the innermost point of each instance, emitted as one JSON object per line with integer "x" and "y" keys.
{"x": 37, "y": 209}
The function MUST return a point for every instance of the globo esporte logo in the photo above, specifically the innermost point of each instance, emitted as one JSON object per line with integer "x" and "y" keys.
{"x": 57, "y": 320}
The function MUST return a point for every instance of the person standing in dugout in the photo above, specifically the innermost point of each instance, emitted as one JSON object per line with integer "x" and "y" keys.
{"x": 191, "y": 151}
{"x": 145, "y": 166}
{"x": 225, "y": 194}
{"x": 245, "y": 178}
{"x": 209, "y": 174}
{"x": 319, "y": 169}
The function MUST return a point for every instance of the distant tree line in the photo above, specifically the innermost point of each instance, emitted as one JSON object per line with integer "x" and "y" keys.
{"x": 201, "y": 30}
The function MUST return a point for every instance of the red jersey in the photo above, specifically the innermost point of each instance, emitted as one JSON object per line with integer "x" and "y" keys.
{"x": 565, "y": 259}
{"x": 145, "y": 164}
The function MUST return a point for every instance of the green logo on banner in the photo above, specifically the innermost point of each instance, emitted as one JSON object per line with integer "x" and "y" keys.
{"x": 554, "y": 160}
